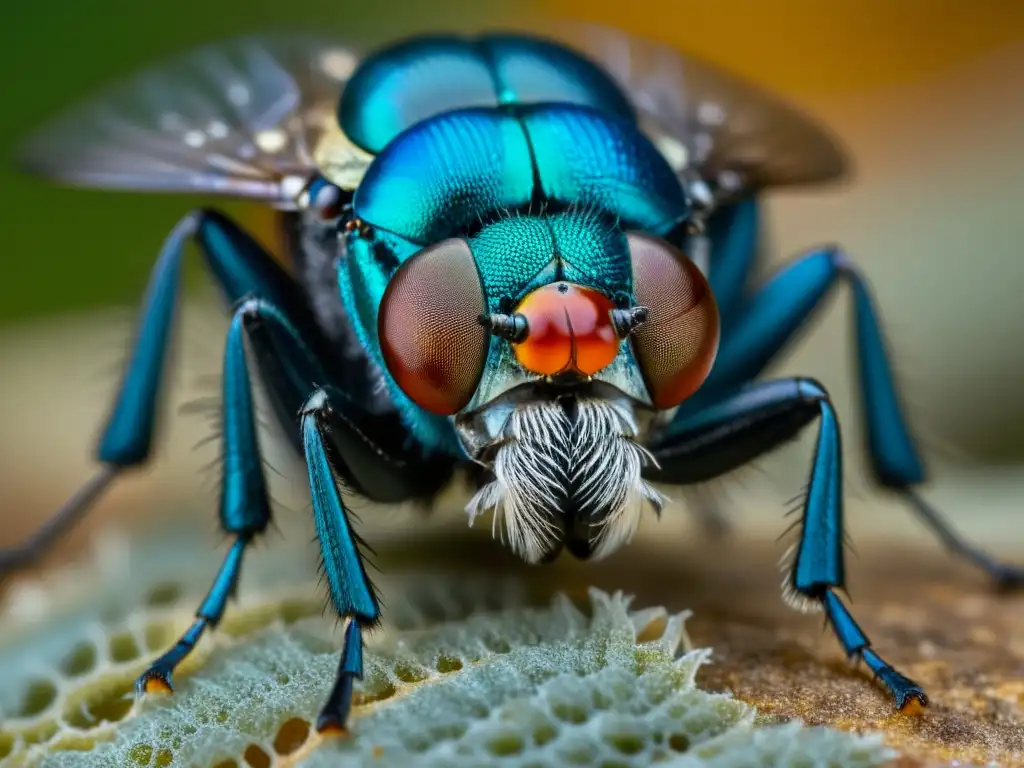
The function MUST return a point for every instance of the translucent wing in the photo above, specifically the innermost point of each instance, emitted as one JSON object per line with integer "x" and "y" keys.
{"x": 732, "y": 133}
{"x": 249, "y": 117}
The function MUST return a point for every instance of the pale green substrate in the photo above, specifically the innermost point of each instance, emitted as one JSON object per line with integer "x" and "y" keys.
{"x": 465, "y": 673}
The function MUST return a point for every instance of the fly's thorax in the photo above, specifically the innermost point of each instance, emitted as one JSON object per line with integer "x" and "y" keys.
{"x": 566, "y": 466}
{"x": 315, "y": 243}
{"x": 315, "y": 248}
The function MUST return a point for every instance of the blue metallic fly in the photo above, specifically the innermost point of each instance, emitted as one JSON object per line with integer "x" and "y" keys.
{"x": 485, "y": 274}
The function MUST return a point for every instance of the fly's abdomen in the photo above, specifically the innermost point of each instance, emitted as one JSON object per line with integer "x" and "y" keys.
{"x": 426, "y": 76}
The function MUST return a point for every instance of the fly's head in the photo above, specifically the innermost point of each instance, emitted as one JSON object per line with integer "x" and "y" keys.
{"x": 555, "y": 397}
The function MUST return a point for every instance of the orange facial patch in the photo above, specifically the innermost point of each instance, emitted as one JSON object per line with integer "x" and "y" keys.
{"x": 569, "y": 330}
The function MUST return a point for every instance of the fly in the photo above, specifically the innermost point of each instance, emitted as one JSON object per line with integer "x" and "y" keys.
{"x": 521, "y": 257}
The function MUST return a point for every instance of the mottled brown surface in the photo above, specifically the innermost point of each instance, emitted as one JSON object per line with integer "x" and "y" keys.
{"x": 937, "y": 621}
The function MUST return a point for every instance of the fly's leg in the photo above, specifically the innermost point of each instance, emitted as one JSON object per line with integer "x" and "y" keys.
{"x": 351, "y": 592}
{"x": 241, "y": 268}
{"x": 25, "y": 554}
{"x": 769, "y": 318}
{"x": 732, "y": 239}
{"x": 732, "y": 235}
{"x": 341, "y": 441}
{"x": 750, "y": 422}
{"x": 371, "y": 455}
{"x": 367, "y": 452}
{"x": 244, "y": 501}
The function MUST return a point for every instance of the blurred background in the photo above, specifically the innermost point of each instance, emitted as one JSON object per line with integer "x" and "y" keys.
{"x": 927, "y": 95}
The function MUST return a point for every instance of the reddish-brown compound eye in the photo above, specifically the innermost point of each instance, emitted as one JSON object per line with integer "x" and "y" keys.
{"x": 677, "y": 345}
{"x": 430, "y": 334}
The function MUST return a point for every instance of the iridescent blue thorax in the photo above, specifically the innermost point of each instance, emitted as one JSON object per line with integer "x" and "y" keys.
{"x": 526, "y": 150}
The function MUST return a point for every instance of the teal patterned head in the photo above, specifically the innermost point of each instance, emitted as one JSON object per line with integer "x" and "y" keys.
{"x": 514, "y": 267}
{"x": 551, "y": 342}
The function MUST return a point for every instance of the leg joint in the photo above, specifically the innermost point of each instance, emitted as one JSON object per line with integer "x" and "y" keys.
{"x": 812, "y": 390}
{"x": 843, "y": 264}
{"x": 250, "y": 308}
{"x": 317, "y": 404}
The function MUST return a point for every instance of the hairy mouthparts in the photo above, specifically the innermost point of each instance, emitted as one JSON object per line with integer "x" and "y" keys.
{"x": 558, "y": 466}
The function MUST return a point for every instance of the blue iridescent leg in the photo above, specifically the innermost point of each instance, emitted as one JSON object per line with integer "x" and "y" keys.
{"x": 339, "y": 440}
{"x": 369, "y": 453}
{"x": 374, "y": 454}
{"x": 733, "y": 234}
{"x": 289, "y": 369}
{"x": 241, "y": 268}
{"x": 351, "y": 592}
{"x": 732, "y": 240}
{"x": 769, "y": 319}
{"x": 750, "y": 422}
{"x": 244, "y": 503}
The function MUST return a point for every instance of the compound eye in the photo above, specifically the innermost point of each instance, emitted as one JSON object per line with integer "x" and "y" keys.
{"x": 677, "y": 345}
{"x": 430, "y": 335}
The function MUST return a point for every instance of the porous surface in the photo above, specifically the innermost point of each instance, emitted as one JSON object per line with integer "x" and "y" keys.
{"x": 468, "y": 670}
{"x": 936, "y": 619}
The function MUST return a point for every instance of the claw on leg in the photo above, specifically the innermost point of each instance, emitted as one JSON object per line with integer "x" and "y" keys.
{"x": 908, "y": 696}
{"x": 153, "y": 681}
{"x": 915, "y": 704}
{"x": 333, "y": 717}
{"x": 157, "y": 678}
{"x": 330, "y": 729}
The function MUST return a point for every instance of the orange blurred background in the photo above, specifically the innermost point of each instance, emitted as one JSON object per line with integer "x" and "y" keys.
{"x": 814, "y": 50}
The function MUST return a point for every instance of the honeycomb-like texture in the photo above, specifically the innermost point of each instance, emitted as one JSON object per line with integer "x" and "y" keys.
{"x": 464, "y": 673}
